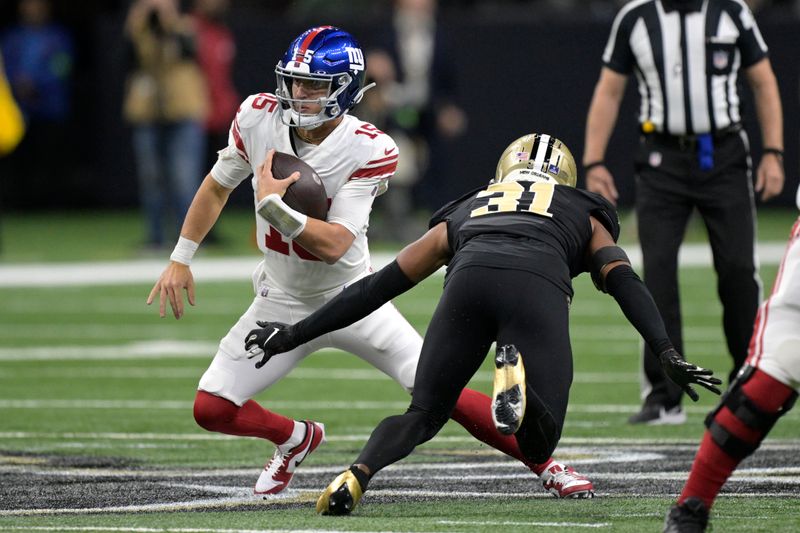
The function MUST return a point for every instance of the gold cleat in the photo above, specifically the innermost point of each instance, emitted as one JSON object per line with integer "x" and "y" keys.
{"x": 508, "y": 396}
{"x": 341, "y": 496}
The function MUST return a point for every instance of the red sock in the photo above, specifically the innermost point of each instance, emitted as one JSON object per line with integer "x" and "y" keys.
{"x": 250, "y": 420}
{"x": 474, "y": 412}
{"x": 713, "y": 466}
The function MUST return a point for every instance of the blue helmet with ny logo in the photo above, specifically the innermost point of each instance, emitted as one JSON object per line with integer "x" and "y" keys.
{"x": 320, "y": 77}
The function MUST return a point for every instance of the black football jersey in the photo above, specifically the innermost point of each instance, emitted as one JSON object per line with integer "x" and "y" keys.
{"x": 535, "y": 226}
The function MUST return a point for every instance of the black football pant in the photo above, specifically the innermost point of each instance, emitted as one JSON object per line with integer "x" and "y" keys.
{"x": 670, "y": 185}
{"x": 481, "y": 305}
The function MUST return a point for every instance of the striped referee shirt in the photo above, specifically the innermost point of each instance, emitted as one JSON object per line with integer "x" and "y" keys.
{"x": 686, "y": 61}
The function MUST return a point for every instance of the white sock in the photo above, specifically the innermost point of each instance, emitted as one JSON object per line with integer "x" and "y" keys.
{"x": 298, "y": 434}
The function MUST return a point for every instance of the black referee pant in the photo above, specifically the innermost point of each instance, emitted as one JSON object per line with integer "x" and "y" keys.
{"x": 670, "y": 184}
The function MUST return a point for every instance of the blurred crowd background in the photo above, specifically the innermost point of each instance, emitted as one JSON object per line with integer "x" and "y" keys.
{"x": 126, "y": 102}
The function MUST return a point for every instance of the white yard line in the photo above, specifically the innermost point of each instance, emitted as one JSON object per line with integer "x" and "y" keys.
{"x": 566, "y": 442}
{"x": 529, "y": 524}
{"x": 324, "y": 374}
{"x": 324, "y": 405}
{"x": 135, "y": 350}
{"x": 239, "y": 268}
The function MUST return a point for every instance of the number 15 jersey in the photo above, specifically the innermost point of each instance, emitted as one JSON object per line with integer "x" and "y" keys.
{"x": 354, "y": 162}
{"x": 539, "y": 227}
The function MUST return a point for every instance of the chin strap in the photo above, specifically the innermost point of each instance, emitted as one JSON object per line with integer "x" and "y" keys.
{"x": 360, "y": 94}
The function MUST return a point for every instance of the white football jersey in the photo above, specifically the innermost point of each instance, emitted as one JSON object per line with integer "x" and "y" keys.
{"x": 355, "y": 163}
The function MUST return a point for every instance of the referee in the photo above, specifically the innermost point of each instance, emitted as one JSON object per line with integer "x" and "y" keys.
{"x": 693, "y": 153}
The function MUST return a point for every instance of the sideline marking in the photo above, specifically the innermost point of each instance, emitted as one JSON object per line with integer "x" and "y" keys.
{"x": 781, "y": 475}
{"x": 171, "y": 529}
{"x": 310, "y": 496}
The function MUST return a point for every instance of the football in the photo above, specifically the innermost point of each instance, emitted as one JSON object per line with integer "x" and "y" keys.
{"x": 307, "y": 194}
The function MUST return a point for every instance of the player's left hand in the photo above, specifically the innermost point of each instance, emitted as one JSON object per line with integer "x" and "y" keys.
{"x": 769, "y": 176}
{"x": 266, "y": 183}
{"x": 685, "y": 374}
{"x": 269, "y": 339}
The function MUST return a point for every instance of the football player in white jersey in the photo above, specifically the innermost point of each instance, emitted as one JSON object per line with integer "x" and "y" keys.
{"x": 765, "y": 389}
{"x": 308, "y": 261}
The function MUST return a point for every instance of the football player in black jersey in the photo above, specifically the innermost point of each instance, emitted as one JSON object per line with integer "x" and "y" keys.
{"x": 511, "y": 249}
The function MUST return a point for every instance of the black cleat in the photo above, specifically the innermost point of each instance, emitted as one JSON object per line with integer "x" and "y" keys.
{"x": 691, "y": 516}
{"x": 508, "y": 397}
{"x": 658, "y": 415}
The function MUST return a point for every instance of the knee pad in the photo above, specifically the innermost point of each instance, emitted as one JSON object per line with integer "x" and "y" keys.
{"x": 748, "y": 413}
{"x": 539, "y": 433}
{"x": 210, "y": 411}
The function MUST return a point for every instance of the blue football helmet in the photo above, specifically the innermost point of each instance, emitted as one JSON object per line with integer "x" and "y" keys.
{"x": 320, "y": 58}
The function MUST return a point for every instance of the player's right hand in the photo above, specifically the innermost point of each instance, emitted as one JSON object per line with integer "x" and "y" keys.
{"x": 269, "y": 339}
{"x": 685, "y": 374}
{"x": 175, "y": 278}
{"x": 600, "y": 181}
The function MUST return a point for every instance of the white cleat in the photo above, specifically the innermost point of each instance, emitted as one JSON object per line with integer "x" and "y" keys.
{"x": 278, "y": 473}
{"x": 563, "y": 481}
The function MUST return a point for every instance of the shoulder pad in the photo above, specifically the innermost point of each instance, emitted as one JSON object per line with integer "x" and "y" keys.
{"x": 381, "y": 159}
{"x": 606, "y": 214}
{"x": 444, "y": 212}
{"x": 254, "y": 107}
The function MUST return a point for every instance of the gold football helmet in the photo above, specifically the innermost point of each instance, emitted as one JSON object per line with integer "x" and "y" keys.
{"x": 537, "y": 157}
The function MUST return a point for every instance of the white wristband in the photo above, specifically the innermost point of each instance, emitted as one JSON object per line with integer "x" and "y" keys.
{"x": 184, "y": 251}
{"x": 287, "y": 221}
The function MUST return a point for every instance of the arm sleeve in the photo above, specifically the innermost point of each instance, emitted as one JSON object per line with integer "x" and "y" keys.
{"x": 352, "y": 203}
{"x": 638, "y": 306}
{"x": 618, "y": 55}
{"x": 750, "y": 42}
{"x": 233, "y": 162}
{"x": 353, "y": 303}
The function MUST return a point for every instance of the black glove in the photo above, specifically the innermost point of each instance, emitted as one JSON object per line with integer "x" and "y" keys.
{"x": 271, "y": 338}
{"x": 684, "y": 373}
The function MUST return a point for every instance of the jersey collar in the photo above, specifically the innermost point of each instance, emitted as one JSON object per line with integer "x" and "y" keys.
{"x": 684, "y": 6}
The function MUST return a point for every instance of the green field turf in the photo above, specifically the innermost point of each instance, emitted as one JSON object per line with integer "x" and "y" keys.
{"x": 93, "y": 385}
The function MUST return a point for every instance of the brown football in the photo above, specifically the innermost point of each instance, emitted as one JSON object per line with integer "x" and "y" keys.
{"x": 307, "y": 194}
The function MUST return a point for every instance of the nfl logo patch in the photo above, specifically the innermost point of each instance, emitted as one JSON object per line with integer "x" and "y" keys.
{"x": 523, "y": 156}
{"x": 720, "y": 59}
{"x": 655, "y": 159}
{"x": 553, "y": 169}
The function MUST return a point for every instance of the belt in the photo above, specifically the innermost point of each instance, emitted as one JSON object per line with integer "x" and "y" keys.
{"x": 688, "y": 142}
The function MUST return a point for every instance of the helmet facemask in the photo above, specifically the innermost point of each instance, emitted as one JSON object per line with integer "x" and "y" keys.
{"x": 291, "y": 107}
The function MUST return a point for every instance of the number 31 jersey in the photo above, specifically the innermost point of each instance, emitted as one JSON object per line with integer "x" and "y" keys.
{"x": 354, "y": 162}
{"x": 539, "y": 227}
